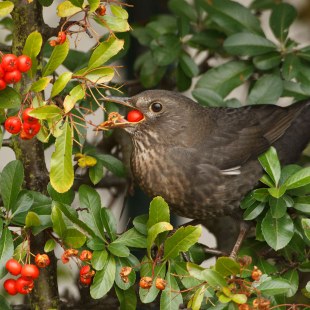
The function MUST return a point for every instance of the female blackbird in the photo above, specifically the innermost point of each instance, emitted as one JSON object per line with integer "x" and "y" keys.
{"x": 201, "y": 160}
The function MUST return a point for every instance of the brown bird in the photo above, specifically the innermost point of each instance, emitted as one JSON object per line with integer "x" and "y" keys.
{"x": 201, "y": 160}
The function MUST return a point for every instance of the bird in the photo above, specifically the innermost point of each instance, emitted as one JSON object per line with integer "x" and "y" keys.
{"x": 204, "y": 160}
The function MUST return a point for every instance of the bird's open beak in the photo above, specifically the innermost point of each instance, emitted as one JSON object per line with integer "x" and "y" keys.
{"x": 116, "y": 120}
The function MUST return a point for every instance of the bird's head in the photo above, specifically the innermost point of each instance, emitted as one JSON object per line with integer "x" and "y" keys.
{"x": 161, "y": 110}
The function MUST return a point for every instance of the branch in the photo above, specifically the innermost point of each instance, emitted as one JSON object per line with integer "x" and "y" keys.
{"x": 5, "y": 48}
{"x": 7, "y": 143}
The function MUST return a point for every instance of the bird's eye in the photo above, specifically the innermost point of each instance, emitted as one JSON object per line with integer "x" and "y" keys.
{"x": 156, "y": 107}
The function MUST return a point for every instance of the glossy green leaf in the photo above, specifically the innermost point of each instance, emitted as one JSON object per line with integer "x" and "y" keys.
{"x": 66, "y": 8}
{"x": 277, "y": 232}
{"x": 208, "y": 97}
{"x": 59, "y": 54}
{"x": 248, "y": 44}
{"x": 305, "y": 223}
{"x": 274, "y": 287}
{"x": 127, "y": 298}
{"x": 278, "y": 207}
{"x": 181, "y": 240}
{"x": 122, "y": 262}
{"x": 282, "y": 16}
{"x": 32, "y": 219}
{"x": 23, "y": 203}
{"x": 99, "y": 259}
{"x": 253, "y": 211}
{"x": 140, "y": 223}
{"x": 100, "y": 75}
{"x": 59, "y": 225}
{"x": 196, "y": 300}
{"x": 109, "y": 222}
{"x": 74, "y": 238}
{"x": 9, "y": 98}
{"x": 299, "y": 179}
{"x": 188, "y": 65}
{"x": 183, "y": 9}
{"x": 104, "y": 279}
{"x": 114, "y": 23}
{"x": 154, "y": 231}
{"x": 46, "y": 2}
{"x": 118, "y": 11}
{"x": 78, "y": 3}
{"x": 11, "y": 180}
{"x": 6, "y": 7}
{"x": 61, "y": 173}
{"x": 227, "y": 266}
{"x": 158, "y": 212}
{"x": 118, "y": 249}
{"x": 104, "y": 51}
{"x": 277, "y": 192}
{"x": 239, "y": 299}
{"x": 231, "y": 16}
{"x": 93, "y": 5}
{"x": 90, "y": 201}
{"x": 291, "y": 67}
{"x": 77, "y": 93}
{"x": 61, "y": 83}
{"x": 302, "y": 204}
{"x": 293, "y": 278}
{"x": 6, "y": 250}
{"x": 49, "y": 245}
{"x": 224, "y": 78}
{"x": 267, "y": 61}
{"x": 96, "y": 173}
{"x": 266, "y": 90}
{"x": 46, "y": 112}
{"x": 41, "y": 84}
{"x": 112, "y": 163}
{"x": 132, "y": 238}
{"x": 65, "y": 198}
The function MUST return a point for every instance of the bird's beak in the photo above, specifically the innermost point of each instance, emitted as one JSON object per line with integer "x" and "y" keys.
{"x": 116, "y": 120}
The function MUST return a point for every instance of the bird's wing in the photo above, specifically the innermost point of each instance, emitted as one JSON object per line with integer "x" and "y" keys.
{"x": 237, "y": 135}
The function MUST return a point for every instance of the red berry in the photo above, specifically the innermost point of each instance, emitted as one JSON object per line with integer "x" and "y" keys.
{"x": 13, "y": 124}
{"x": 134, "y": 116}
{"x": 24, "y": 136}
{"x": 30, "y": 271}
{"x": 24, "y": 63}
{"x": 10, "y": 287}
{"x": 12, "y": 77}
{"x": 146, "y": 282}
{"x": 13, "y": 267}
{"x": 24, "y": 285}
{"x": 53, "y": 43}
{"x": 101, "y": 10}
{"x": 42, "y": 260}
{"x": 86, "y": 255}
{"x": 9, "y": 62}
{"x": 84, "y": 270}
{"x": 2, "y": 84}
{"x": 85, "y": 281}
{"x": 61, "y": 39}
{"x": 31, "y": 129}
{"x": 1, "y": 72}
{"x": 27, "y": 118}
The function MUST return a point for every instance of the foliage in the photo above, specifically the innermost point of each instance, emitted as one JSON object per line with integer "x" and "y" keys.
{"x": 239, "y": 53}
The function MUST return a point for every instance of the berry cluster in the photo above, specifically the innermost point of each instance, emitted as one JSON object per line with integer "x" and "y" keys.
{"x": 27, "y": 273}
{"x": 26, "y": 126}
{"x": 61, "y": 39}
{"x": 12, "y": 67}
{"x": 147, "y": 282}
{"x": 86, "y": 273}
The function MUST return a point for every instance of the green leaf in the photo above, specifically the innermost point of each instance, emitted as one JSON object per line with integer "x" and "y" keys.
{"x": 305, "y": 223}
{"x": 271, "y": 164}
{"x": 231, "y": 16}
{"x": 90, "y": 200}
{"x": 61, "y": 173}
{"x": 104, "y": 279}
{"x": 66, "y": 9}
{"x": 11, "y": 180}
{"x": 96, "y": 173}
{"x": 188, "y": 65}
{"x": 118, "y": 249}
{"x": 61, "y": 83}
{"x": 100, "y": 75}
{"x": 293, "y": 278}
{"x": 278, "y": 207}
{"x": 23, "y": 203}
{"x": 77, "y": 93}
{"x": 132, "y": 238}
{"x": 277, "y": 232}
{"x": 46, "y": 2}
{"x": 291, "y": 67}
{"x": 196, "y": 300}
{"x": 59, "y": 54}
{"x": 277, "y": 192}
{"x": 46, "y": 112}
{"x": 127, "y": 299}
{"x": 32, "y": 49}
{"x": 9, "y": 98}
{"x": 183, "y": 9}
{"x": 248, "y": 44}
{"x": 224, "y": 78}
{"x": 154, "y": 231}
{"x": 302, "y": 204}
{"x": 112, "y": 163}
{"x": 122, "y": 262}
{"x": 74, "y": 238}
{"x": 99, "y": 259}
{"x": 274, "y": 287}
{"x": 267, "y": 61}
{"x": 140, "y": 223}
{"x": 41, "y": 84}
{"x": 158, "y": 212}
{"x": 59, "y": 226}
{"x": 6, "y": 250}
{"x": 253, "y": 211}
{"x": 266, "y": 90}
{"x": 118, "y": 11}
{"x": 239, "y": 299}
{"x": 114, "y": 23}
{"x": 78, "y": 3}
{"x": 282, "y": 16}
{"x": 298, "y": 179}
{"x": 104, "y": 51}
{"x": 227, "y": 266}
{"x": 49, "y": 245}
{"x": 181, "y": 240}
{"x": 65, "y": 198}
{"x": 208, "y": 97}
{"x": 32, "y": 219}
{"x": 6, "y": 7}
{"x": 109, "y": 222}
